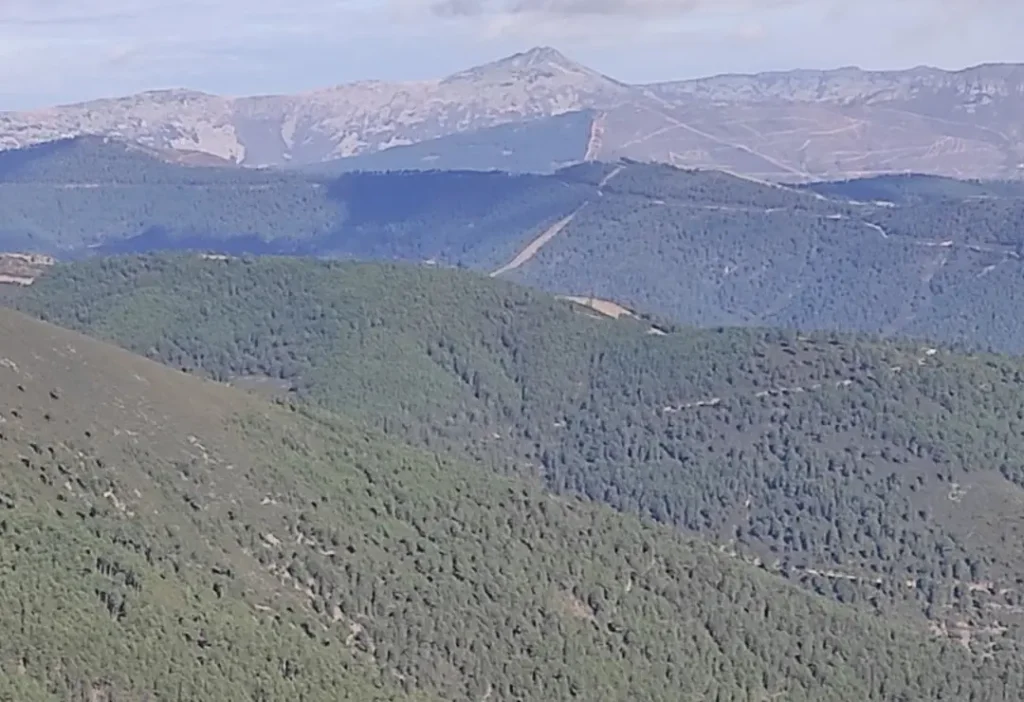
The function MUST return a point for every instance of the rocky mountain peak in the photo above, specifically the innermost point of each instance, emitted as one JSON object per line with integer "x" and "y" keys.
{"x": 542, "y": 56}
{"x": 540, "y": 62}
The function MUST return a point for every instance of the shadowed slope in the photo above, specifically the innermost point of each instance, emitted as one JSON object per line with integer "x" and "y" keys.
{"x": 922, "y": 256}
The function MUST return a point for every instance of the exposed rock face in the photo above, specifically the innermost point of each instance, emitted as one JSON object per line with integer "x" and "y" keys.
{"x": 785, "y": 125}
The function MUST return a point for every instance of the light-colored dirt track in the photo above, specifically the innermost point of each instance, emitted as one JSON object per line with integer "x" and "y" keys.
{"x": 534, "y": 246}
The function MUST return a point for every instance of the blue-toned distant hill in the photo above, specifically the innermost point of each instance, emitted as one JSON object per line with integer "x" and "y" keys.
{"x": 68, "y": 196}
{"x": 536, "y": 146}
{"x": 911, "y": 187}
{"x": 935, "y": 257}
{"x": 91, "y": 195}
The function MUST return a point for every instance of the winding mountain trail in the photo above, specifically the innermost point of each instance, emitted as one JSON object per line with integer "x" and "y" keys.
{"x": 718, "y": 140}
{"x": 880, "y": 230}
{"x": 787, "y": 389}
{"x": 1008, "y": 251}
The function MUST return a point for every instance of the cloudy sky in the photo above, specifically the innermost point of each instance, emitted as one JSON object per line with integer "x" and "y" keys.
{"x": 65, "y": 50}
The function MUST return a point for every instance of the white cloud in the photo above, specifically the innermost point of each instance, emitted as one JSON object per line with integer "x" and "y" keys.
{"x": 56, "y": 47}
{"x": 57, "y": 50}
{"x": 582, "y": 8}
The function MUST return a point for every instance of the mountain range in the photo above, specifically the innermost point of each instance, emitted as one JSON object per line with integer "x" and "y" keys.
{"x": 790, "y": 126}
{"x": 923, "y": 256}
{"x": 451, "y": 391}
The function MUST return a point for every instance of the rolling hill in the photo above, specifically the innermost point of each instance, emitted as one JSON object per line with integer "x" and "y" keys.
{"x": 789, "y": 126}
{"x": 166, "y": 537}
{"x": 906, "y": 189}
{"x": 88, "y": 196}
{"x": 72, "y": 195}
{"x": 886, "y": 475}
{"x": 896, "y": 255}
{"x": 709, "y": 250}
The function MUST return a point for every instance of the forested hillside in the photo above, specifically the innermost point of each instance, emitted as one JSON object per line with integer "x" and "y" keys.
{"x": 886, "y": 475}
{"x": 708, "y": 250}
{"x": 167, "y": 538}
{"x": 92, "y": 196}
{"x": 896, "y": 256}
{"x": 64, "y": 197}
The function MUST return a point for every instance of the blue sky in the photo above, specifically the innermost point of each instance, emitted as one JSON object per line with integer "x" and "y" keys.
{"x": 65, "y": 50}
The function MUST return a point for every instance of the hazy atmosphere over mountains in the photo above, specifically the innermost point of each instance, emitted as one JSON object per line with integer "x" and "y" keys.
{"x": 896, "y": 255}
{"x": 56, "y": 51}
{"x": 796, "y": 125}
{"x": 350, "y": 352}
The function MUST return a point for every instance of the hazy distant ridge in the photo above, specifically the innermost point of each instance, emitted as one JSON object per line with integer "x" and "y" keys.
{"x": 793, "y": 125}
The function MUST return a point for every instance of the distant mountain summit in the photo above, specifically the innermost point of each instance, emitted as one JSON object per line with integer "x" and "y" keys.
{"x": 539, "y": 62}
{"x": 792, "y": 126}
